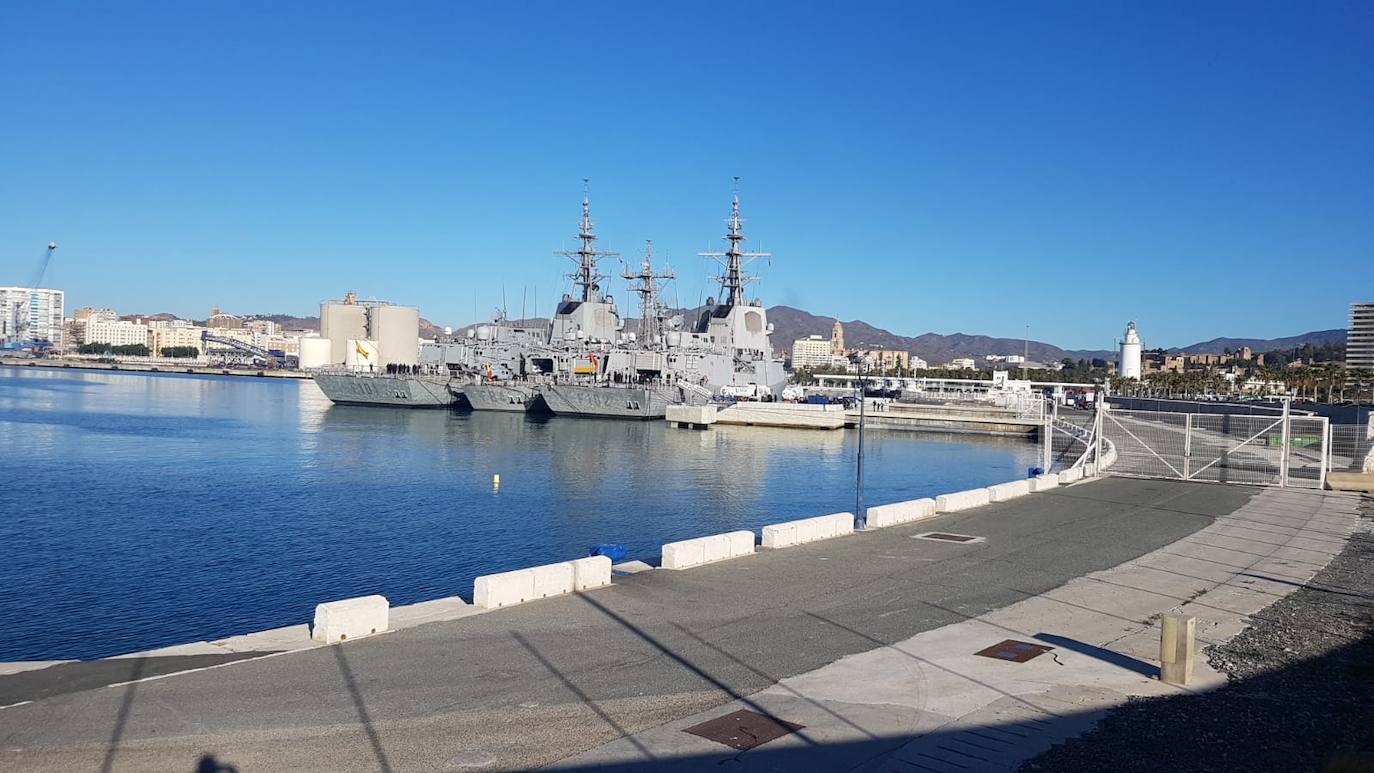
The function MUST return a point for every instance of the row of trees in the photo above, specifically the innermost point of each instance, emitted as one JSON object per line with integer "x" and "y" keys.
{"x": 180, "y": 351}
{"x": 1323, "y": 382}
{"x": 126, "y": 350}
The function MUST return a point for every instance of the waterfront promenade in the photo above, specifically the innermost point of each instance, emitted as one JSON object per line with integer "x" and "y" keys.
{"x": 867, "y": 640}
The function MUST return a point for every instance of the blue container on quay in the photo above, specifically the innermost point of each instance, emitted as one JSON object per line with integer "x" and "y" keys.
{"x": 613, "y": 552}
{"x": 1032, "y": 472}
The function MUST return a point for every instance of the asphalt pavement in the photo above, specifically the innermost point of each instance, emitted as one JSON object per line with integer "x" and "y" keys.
{"x": 533, "y": 684}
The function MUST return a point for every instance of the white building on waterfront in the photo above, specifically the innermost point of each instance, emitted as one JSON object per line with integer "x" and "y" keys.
{"x": 1128, "y": 364}
{"x": 118, "y": 332}
{"x": 1359, "y": 338}
{"x": 810, "y": 352}
{"x": 27, "y": 314}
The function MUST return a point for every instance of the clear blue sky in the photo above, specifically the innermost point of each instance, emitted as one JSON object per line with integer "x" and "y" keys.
{"x": 1203, "y": 168}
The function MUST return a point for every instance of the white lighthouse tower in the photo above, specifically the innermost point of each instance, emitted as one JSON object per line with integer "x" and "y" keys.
{"x": 1128, "y": 366}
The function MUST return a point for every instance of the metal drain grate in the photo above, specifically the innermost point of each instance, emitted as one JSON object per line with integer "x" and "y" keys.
{"x": 1014, "y": 651}
{"x": 744, "y": 729}
{"x": 943, "y": 536}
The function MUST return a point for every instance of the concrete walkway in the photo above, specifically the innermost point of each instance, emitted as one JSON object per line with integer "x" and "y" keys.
{"x": 818, "y": 632}
{"x": 928, "y": 703}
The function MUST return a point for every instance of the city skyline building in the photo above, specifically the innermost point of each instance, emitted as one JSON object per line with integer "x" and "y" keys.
{"x": 1359, "y": 337}
{"x": 31, "y": 314}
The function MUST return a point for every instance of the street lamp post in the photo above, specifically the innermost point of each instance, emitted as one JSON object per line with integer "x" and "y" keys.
{"x": 860, "y": 515}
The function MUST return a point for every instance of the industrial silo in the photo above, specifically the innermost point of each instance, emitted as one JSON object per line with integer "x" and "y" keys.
{"x": 340, "y": 322}
{"x": 315, "y": 353}
{"x": 396, "y": 329}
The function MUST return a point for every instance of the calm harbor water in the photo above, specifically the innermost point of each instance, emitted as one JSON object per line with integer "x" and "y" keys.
{"x": 142, "y": 510}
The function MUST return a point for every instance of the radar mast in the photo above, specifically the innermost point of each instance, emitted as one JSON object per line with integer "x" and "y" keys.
{"x": 645, "y": 284}
{"x": 733, "y": 279}
{"x": 586, "y": 277}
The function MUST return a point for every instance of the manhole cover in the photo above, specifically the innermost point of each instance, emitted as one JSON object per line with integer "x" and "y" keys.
{"x": 942, "y": 536}
{"x": 743, "y": 729}
{"x": 1013, "y": 650}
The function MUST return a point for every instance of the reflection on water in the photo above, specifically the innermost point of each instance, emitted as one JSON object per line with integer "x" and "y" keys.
{"x": 162, "y": 508}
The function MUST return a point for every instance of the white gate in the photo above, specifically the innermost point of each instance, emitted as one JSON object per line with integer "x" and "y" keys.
{"x": 1282, "y": 450}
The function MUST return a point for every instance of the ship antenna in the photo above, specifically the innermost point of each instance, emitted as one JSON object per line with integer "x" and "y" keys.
{"x": 651, "y": 310}
{"x": 585, "y": 276}
{"x": 733, "y": 279}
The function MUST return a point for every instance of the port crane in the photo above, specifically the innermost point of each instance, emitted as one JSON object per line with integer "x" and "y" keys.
{"x": 23, "y": 318}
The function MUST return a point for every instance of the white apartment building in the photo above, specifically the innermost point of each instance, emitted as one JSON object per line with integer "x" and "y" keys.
{"x": 31, "y": 315}
{"x": 918, "y": 364}
{"x": 1359, "y": 339}
{"x": 118, "y": 332}
{"x": 962, "y": 363}
{"x": 810, "y": 352}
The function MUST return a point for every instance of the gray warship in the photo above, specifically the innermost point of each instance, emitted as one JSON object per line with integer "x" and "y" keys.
{"x": 665, "y": 365}
{"x": 401, "y": 391}
{"x": 584, "y": 362}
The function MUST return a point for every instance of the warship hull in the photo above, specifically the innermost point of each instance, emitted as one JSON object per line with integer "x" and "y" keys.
{"x": 386, "y": 390}
{"x": 514, "y": 398}
{"x": 612, "y": 402}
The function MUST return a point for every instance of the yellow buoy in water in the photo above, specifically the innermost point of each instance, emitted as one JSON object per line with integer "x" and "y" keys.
{"x": 496, "y": 481}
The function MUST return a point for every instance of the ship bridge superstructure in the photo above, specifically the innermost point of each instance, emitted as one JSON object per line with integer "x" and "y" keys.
{"x": 734, "y": 321}
{"x": 586, "y": 315}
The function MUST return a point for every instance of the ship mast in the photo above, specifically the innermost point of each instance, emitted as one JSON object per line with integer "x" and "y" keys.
{"x": 586, "y": 276}
{"x": 650, "y": 309}
{"x": 733, "y": 279}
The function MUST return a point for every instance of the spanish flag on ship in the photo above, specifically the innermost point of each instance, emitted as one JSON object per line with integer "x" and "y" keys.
{"x": 360, "y": 350}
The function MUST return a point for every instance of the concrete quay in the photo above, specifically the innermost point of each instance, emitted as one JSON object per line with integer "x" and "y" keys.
{"x": 170, "y": 367}
{"x": 866, "y": 639}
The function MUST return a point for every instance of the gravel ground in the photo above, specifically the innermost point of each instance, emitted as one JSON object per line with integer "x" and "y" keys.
{"x": 1300, "y": 696}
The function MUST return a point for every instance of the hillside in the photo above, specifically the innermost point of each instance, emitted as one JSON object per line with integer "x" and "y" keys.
{"x": 1218, "y": 345}
{"x": 791, "y": 324}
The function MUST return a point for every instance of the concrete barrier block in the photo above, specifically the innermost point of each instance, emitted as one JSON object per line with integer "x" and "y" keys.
{"x": 896, "y": 513}
{"x": 816, "y": 528}
{"x": 684, "y": 554}
{"x": 498, "y": 590}
{"x": 705, "y": 550}
{"x": 780, "y": 535}
{"x": 741, "y": 543}
{"x": 1010, "y": 490}
{"x": 337, "y": 621}
{"x": 1071, "y": 475}
{"x": 715, "y": 548}
{"x": 842, "y": 523}
{"x": 961, "y": 500}
{"x": 552, "y": 579}
{"x": 1044, "y": 482}
{"x": 591, "y": 572}
{"x": 1090, "y": 470}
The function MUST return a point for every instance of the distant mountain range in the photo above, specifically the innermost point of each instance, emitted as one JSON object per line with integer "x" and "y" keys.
{"x": 1217, "y": 345}
{"x": 790, "y": 324}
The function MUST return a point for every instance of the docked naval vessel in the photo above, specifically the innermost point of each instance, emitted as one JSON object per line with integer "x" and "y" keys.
{"x": 348, "y": 387}
{"x": 584, "y": 362}
{"x": 727, "y": 346}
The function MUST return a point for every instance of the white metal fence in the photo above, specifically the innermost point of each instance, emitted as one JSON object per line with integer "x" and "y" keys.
{"x": 1284, "y": 450}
